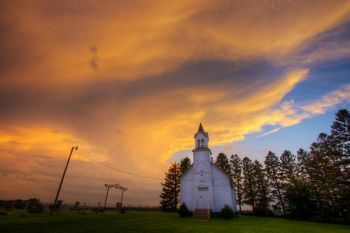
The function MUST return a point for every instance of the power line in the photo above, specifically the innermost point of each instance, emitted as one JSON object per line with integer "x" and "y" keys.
{"x": 118, "y": 170}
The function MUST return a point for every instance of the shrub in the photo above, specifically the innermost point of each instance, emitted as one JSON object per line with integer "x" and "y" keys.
{"x": 264, "y": 212}
{"x": 3, "y": 211}
{"x": 22, "y": 215}
{"x": 35, "y": 206}
{"x": 20, "y": 204}
{"x": 226, "y": 212}
{"x": 183, "y": 211}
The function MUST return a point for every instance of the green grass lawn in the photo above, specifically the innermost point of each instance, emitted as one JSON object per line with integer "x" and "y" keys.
{"x": 154, "y": 221}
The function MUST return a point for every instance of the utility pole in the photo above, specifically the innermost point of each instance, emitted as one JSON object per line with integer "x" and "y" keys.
{"x": 117, "y": 186}
{"x": 64, "y": 173}
{"x": 108, "y": 186}
{"x": 123, "y": 190}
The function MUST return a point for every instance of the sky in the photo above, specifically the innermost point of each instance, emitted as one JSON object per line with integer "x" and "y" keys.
{"x": 130, "y": 81}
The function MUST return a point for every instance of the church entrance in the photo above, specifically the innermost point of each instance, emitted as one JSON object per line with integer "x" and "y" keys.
{"x": 203, "y": 197}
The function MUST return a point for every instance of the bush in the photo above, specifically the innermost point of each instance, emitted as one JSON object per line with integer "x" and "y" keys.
{"x": 35, "y": 206}
{"x": 20, "y": 204}
{"x": 264, "y": 212}
{"x": 3, "y": 211}
{"x": 22, "y": 215}
{"x": 183, "y": 211}
{"x": 226, "y": 212}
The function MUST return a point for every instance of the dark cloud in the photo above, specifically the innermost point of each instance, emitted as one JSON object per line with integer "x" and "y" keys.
{"x": 71, "y": 102}
{"x": 325, "y": 46}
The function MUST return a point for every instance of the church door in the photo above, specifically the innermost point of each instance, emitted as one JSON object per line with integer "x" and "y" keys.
{"x": 203, "y": 197}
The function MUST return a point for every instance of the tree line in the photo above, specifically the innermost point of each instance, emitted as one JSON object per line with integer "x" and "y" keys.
{"x": 312, "y": 184}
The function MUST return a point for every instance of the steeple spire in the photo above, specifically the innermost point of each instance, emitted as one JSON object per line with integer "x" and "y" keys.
{"x": 201, "y": 139}
{"x": 200, "y": 129}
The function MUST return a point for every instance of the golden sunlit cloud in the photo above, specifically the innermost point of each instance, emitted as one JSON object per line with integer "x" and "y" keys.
{"x": 110, "y": 38}
{"x": 129, "y": 82}
{"x": 289, "y": 113}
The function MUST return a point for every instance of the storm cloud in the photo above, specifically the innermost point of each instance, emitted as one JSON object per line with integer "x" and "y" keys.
{"x": 129, "y": 81}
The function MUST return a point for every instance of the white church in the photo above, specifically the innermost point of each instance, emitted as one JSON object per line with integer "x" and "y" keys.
{"x": 204, "y": 187}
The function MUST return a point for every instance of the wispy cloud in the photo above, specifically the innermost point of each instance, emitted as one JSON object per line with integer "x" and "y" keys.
{"x": 270, "y": 132}
{"x": 289, "y": 113}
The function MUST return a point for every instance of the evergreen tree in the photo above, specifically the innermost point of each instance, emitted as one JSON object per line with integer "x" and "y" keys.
{"x": 340, "y": 140}
{"x": 298, "y": 194}
{"x": 222, "y": 162}
{"x": 340, "y": 134}
{"x": 249, "y": 183}
{"x": 288, "y": 168}
{"x": 327, "y": 166}
{"x": 236, "y": 174}
{"x": 185, "y": 163}
{"x": 303, "y": 158}
{"x": 293, "y": 185}
{"x": 261, "y": 189}
{"x": 171, "y": 188}
{"x": 300, "y": 200}
{"x": 273, "y": 172}
{"x": 316, "y": 172}
{"x": 323, "y": 175}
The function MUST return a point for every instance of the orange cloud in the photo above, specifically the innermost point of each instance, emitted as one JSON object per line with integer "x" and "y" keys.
{"x": 289, "y": 113}
{"x": 130, "y": 81}
{"x": 139, "y": 39}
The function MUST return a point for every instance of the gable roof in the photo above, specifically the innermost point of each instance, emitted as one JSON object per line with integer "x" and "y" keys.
{"x": 214, "y": 165}
{"x": 188, "y": 169}
{"x": 222, "y": 170}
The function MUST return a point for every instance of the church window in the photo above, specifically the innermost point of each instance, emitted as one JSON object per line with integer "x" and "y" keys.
{"x": 200, "y": 142}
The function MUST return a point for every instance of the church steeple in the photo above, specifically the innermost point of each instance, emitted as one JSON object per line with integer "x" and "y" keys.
{"x": 201, "y": 130}
{"x": 201, "y": 139}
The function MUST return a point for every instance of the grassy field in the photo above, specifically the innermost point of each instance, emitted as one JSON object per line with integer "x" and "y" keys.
{"x": 153, "y": 222}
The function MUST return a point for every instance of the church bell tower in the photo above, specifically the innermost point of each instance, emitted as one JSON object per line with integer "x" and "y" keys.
{"x": 201, "y": 151}
{"x": 202, "y": 177}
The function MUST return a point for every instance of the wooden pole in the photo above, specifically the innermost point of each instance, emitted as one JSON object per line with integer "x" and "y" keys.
{"x": 64, "y": 173}
{"x": 121, "y": 200}
{"x": 104, "y": 207}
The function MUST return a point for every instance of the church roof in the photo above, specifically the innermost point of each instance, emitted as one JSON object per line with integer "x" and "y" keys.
{"x": 201, "y": 130}
{"x": 213, "y": 165}
{"x": 222, "y": 170}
